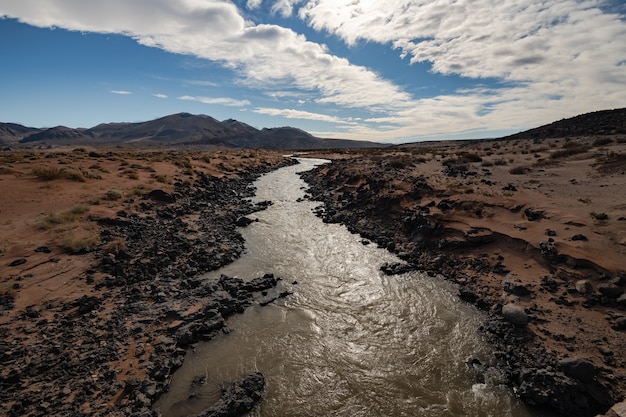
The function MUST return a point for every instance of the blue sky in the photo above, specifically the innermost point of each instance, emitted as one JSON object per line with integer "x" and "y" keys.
{"x": 390, "y": 71}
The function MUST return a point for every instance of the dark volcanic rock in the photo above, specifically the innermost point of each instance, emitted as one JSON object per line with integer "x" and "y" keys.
{"x": 238, "y": 398}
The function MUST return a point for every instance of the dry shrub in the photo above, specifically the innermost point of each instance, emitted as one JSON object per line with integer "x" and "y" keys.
{"x": 611, "y": 162}
{"x": 62, "y": 218}
{"x": 569, "y": 151}
{"x": 53, "y": 173}
{"x": 519, "y": 170}
{"x": 78, "y": 244}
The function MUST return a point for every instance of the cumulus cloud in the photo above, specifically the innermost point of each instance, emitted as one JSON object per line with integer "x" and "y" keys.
{"x": 215, "y": 30}
{"x": 550, "y": 59}
{"x": 224, "y": 101}
{"x": 301, "y": 114}
{"x": 121, "y": 92}
{"x": 160, "y": 95}
{"x": 561, "y": 56}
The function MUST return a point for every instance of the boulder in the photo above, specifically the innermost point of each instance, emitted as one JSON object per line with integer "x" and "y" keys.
{"x": 610, "y": 290}
{"x": 162, "y": 196}
{"x": 584, "y": 287}
{"x": 514, "y": 314}
{"x": 578, "y": 368}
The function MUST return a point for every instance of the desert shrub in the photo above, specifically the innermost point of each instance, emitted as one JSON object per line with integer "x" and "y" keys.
{"x": 77, "y": 244}
{"x": 400, "y": 163}
{"x": 487, "y": 164}
{"x": 569, "y": 151}
{"x": 73, "y": 175}
{"x": 599, "y": 216}
{"x": 519, "y": 170}
{"x": 585, "y": 200}
{"x": 62, "y": 218}
{"x": 162, "y": 178}
{"x": 113, "y": 194}
{"x": 500, "y": 161}
{"x": 611, "y": 162}
{"x": 47, "y": 173}
{"x": 571, "y": 144}
{"x": 52, "y": 173}
{"x": 602, "y": 141}
{"x": 470, "y": 157}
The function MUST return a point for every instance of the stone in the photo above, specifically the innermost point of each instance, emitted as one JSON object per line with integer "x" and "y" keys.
{"x": 584, "y": 287}
{"x": 610, "y": 290}
{"x": 243, "y": 221}
{"x": 580, "y": 237}
{"x": 162, "y": 196}
{"x": 578, "y": 368}
{"x": 534, "y": 215}
{"x": 395, "y": 268}
{"x": 18, "y": 262}
{"x": 514, "y": 314}
{"x": 238, "y": 398}
{"x": 515, "y": 288}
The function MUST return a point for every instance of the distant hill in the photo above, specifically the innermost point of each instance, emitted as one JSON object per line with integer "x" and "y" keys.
{"x": 604, "y": 122}
{"x": 182, "y": 129}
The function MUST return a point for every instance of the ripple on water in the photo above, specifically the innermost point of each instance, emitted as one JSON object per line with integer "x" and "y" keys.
{"x": 350, "y": 341}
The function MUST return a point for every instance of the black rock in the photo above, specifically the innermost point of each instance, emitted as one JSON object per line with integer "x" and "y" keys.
{"x": 18, "y": 262}
{"x": 238, "y": 398}
{"x": 580, "y": 237}
{"x": 162, "y": 196}
{"x": 243, "y": 221}
{"x": 396, "y": 268}
{"x": 43, "y": 249}
{"x": 533, "y": 215}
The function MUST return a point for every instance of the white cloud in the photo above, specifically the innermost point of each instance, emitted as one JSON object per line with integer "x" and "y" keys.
{"x": 553, "y": 58}
{"x": 541, "y": 51}
{"x": 215, "y": 30}
{"x": 284, "y": 7}
{"x": 224, "y": 101}
{"x": 159, "y": 95}
{"x": 121, "y": 92}
{"x": 253, "y": 4}
{"x": 300, "y": 114}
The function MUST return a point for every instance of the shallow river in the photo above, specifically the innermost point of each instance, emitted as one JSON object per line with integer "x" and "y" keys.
{"x": 350, "y": 341}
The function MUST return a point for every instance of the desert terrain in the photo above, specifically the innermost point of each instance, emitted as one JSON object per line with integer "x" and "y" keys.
{"x": 99, "y": 254}
{"x": 100, "y": 250}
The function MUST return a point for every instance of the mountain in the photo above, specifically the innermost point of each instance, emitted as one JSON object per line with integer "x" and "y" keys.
{"x": 182, "y": 129}
{"x": 604, "y": 122}
{"x": 12, "y": 133}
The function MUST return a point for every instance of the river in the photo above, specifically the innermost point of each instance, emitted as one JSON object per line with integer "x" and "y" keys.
{"x": 350, "y": 341}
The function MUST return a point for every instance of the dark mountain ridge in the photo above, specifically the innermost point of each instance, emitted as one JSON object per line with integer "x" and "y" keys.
{"x": 181, "y": 129}
{"x": 603, "y": 122}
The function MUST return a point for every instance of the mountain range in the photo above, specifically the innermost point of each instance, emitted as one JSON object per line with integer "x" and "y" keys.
{"x": 182, "y": 129}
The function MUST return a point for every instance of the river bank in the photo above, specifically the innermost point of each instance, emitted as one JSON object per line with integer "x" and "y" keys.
{"x": 101, "y": 253}
{"x": 533, "y": 234}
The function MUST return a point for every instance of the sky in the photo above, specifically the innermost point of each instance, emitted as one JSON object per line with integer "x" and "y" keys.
{"x": 389, "y": 71}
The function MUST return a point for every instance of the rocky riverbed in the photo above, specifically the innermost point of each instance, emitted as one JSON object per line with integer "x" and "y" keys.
{"x": 519, "y": 243}
{"x": 108, "y": 341}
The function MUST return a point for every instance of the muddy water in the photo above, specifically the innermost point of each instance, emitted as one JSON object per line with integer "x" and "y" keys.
{"x": 349, "y": 341}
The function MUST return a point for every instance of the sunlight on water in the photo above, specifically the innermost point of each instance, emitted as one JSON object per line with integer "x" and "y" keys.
{"x": 350, "y": 341}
